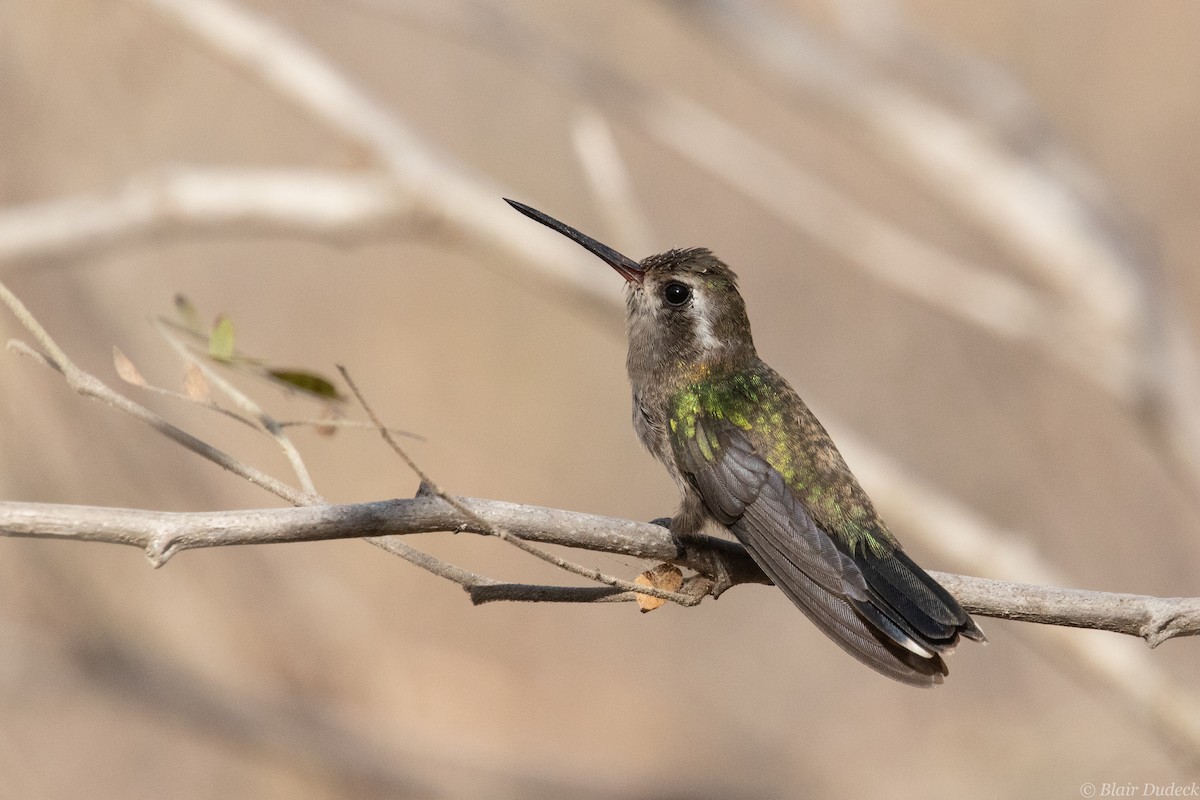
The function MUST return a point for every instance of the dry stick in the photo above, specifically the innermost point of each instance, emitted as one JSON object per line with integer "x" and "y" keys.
{"x": 427, "y": 562}
{"x": 428, "y": 486}
{"x": 485, "y": 590}
{"x": 162, "y": 534}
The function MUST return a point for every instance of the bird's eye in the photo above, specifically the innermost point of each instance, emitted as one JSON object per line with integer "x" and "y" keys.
{"x": 676, "y": 293}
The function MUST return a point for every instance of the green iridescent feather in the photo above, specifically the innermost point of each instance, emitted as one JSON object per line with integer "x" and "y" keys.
{"x": 787, "y": 435}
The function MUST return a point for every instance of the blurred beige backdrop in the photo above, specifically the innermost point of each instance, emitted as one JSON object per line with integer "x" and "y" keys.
{"x": 333, "y": 670}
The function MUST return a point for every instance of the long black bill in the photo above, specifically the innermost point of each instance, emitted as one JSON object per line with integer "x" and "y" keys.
{"x": 630, "y": 270}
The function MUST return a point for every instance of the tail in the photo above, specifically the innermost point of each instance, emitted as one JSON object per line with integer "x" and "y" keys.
{"x": 884, "y": 610}
{"x": 911, "y": 608}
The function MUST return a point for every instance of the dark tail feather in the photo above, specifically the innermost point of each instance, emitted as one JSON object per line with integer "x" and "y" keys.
{"x": 915, "y": 602}
{"x": 885, "y": 611}
{"x": 899, "y": 626}
{"x": 864, "y": 636}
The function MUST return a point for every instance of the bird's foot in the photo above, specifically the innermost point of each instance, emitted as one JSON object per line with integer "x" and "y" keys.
{"x": 720, "y": 577}
{"x": 710, "y": 565}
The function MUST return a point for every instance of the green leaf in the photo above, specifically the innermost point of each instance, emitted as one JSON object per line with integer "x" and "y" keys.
{"x": 220, "y": 341}
{"x": 308, "y": 382}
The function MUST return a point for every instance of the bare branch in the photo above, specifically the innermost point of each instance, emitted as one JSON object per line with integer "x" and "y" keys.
{"x": 1154, "y": 619}
{"x": 161, "y": 534}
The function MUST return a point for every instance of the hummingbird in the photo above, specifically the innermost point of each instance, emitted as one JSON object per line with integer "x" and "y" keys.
{"x": 748, "y": 455}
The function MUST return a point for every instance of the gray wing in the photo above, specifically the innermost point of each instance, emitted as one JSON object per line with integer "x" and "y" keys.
{"x": 885, "y": 611}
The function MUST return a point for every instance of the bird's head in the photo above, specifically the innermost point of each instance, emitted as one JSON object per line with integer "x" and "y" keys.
{"x": 685, "y": 315}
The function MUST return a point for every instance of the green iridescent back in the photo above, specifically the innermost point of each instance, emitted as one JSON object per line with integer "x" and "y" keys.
{"x": 787, "y": 435}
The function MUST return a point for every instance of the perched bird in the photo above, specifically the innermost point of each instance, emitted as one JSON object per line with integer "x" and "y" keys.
{"x": 748, "y": 454}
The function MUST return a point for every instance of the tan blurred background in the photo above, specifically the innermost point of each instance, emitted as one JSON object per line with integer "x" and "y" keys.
{"x": 333, "y": 670}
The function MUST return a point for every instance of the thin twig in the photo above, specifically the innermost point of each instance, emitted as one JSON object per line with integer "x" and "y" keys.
{"x": 353, "y": 424}
{"x": 499, "y": 531}
{"x": 206, "y": 403}
{"x": 529, "y": 593}
{"x": 266, "y": 422}
{"x": 89, "y": 385}
{"x": 432, "y": 564}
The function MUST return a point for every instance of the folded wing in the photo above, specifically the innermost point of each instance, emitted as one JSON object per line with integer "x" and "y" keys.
{"x": 881, "y": 608}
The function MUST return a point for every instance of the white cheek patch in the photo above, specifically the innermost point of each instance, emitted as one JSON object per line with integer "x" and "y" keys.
{"x": 705, "y": 337}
